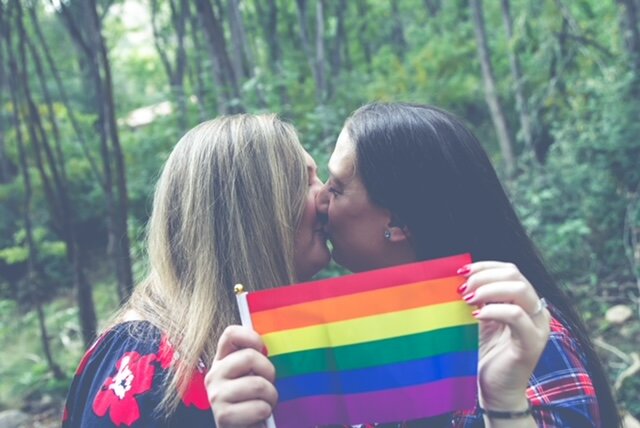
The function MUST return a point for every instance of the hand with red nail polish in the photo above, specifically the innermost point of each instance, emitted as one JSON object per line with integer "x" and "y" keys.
{"x": 513, "y": 331}
{"x": 240, "y": 382}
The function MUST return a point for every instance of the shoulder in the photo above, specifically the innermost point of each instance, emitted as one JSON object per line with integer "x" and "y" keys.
{"x": 121, "y": 380}
{"x": 115, "y": 369}
{"x": 563, "y": 351}
{"x": 561, "y": 388}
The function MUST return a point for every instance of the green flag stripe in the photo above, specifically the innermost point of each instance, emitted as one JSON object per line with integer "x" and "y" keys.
{"x": 379, "y": 352}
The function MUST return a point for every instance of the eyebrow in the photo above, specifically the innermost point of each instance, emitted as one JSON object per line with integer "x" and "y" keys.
{"x": 335, "y": 179}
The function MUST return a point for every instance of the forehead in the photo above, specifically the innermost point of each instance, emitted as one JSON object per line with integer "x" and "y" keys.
{"x": 343, "y": 159}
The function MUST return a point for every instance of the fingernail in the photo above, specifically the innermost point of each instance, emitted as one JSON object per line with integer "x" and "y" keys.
{"x": 462, "y": 288}
{"x": 463, "y": 270}
{"x": 265, "y": 351}
{"x": 469, "y": 296}
{"x": 475, "y": 313}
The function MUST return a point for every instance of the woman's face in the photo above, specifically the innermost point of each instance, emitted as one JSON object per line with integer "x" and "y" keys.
{"x": 356, "y": 226}
{"x": 311, "y": 251}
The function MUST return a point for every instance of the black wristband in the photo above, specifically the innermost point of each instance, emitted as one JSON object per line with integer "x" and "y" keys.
{"x": 502, "y": 414}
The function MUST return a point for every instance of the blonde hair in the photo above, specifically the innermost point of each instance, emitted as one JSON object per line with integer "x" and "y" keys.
{"x": 225, "y": 211}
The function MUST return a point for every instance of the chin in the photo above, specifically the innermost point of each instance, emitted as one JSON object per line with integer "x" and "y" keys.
{"x": 314, "y": 265}
{"x": 335, "y": 255}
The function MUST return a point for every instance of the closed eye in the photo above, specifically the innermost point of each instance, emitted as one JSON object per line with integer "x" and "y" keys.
{"x": 334, "y": 191}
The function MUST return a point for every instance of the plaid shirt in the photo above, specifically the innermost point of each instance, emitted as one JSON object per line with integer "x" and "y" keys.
{"x": 560, "y": 390}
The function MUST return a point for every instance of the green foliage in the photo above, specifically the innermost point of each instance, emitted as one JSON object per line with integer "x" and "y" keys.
{"x": 13, "y": 255}
{"x": 52, "y": 265}
{"x": 578, "y": 86}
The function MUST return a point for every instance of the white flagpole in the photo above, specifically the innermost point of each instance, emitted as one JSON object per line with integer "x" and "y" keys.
{"x": 245, "y": 318}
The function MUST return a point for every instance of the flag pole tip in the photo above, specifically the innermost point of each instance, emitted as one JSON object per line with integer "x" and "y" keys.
{"x": 238, "y": 288}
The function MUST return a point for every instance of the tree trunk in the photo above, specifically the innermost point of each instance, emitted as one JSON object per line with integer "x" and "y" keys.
{"x": 227, "y": 81}
{"x": 340, "y": 51}
{"x": 321, "y": 87}
{"x": 342, "y": 34}
{"x": 74, "y": 18}
{"x": 491, "y": 95}
{"x": 179, "y": 17}
{"x": 5, "y": 170}
{"x": 175, "y": 70}
{"x": 363, "y": 38}
{"x": 60, "y": 205}
{"x": 269, "y": 22}
{"x": 241, "y": 64}
{"x": 123, "y": 245}
{"x": 518, "y": 79}
{"x": 397, "y": 31}
{"x": 433, "y": 7}
{"x": 34, "y": 270}
{"x": 66, "y": 217}
{"x": 314, "y": 59}
{"x": 95, "y": 170}
{"x": 46, "y": 347}
{"x": 87, "y": 34}
{"x": 271, "y": 34}
{"x": 301, "y": 10}
{"x": 196, "y": 70}
{"x": 629, "y": 24}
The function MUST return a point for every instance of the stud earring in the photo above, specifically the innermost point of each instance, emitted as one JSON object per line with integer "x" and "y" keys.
{"x": 387, "y": 235}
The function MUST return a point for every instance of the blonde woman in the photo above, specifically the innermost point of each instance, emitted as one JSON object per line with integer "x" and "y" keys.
{"x": 235, "y": 203}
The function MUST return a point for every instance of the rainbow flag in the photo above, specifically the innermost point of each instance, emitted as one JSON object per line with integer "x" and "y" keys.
{"x": 388, "y": 345}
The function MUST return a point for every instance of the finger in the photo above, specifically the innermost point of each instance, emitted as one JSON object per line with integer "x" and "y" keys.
{"x": 541, "y": 315}
{"x": 246, "y": 388}
{"x": 475, "y": 267}
{"x": 505, "y": 272}
{"x": 241, "y": 363}
{"x": 247, "y": 413}
{"x": 514, "y": 292}
{"x": 237, "y": 337}
{"x": 529, "y": 336}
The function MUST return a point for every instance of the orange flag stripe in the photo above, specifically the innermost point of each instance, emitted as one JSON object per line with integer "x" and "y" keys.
{"x": 376, "y": 302}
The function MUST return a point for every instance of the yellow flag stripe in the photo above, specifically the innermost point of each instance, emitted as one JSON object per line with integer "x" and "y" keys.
{"x": 366, "y": 329}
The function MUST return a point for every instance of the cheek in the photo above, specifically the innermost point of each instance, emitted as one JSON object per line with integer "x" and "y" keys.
{"x": 310, "y": 212}
{"x": 343, "y": 214}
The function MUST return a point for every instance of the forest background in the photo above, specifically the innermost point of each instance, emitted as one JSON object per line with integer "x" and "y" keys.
{"x": 95, "y": 93}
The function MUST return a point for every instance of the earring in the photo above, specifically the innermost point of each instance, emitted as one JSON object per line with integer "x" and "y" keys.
{"x": 387, "y": 235}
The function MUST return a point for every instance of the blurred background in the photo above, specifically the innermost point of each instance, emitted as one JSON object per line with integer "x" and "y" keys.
{"x": 95, "y": 93}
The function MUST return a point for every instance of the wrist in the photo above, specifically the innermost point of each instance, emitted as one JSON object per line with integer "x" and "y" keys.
{"x": 520, "y": 412}
{"x": 505, "y": 401}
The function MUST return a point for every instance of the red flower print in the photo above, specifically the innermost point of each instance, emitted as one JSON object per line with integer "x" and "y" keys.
{"x": 65, "y": 414}
{"x": 196, "y": 393}
{"x": 117, "y": 395}
{"x": 166, "y": 354}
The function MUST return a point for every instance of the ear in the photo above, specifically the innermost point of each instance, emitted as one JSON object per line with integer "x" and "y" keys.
{"x": 399, "y": 232}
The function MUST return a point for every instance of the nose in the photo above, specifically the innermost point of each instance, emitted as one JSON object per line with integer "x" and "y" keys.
{"x": 322, "y": 200}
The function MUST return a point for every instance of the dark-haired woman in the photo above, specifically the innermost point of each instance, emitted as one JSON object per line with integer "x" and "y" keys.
{"x": 411, "y": 182}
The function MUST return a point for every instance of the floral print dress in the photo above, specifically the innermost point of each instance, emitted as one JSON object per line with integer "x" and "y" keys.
{"x": 120, "y": 382}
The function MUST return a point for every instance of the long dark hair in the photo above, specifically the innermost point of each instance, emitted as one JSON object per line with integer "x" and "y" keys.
{"x": 431, "y": 172}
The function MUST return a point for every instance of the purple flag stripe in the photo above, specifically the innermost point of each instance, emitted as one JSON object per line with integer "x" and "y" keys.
{"x": 391, "y": 405}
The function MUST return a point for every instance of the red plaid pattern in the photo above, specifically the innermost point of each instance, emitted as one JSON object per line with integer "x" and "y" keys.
{"x": 560, "y": 388}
